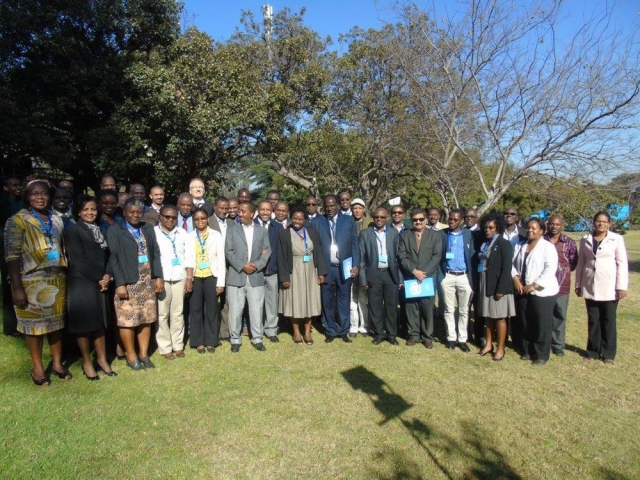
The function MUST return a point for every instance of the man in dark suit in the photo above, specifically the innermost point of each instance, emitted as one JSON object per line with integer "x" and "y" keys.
{"x": 456, "y": 278}
{"x": 419, "y": 253}
{"x": 273, "y": 228}
{"x": 380, "y": 276}
{"x": 196, "y": 189}
{"x": 514, "y": 233}
{"x": 339, "y": 242}
{"x": 185, "y": 212}
{"x": 247, "y": 250}
{"x": 219, "y": 222}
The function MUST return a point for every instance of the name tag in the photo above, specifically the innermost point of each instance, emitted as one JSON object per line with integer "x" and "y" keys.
{"x": 143, "y": 259}
{"x": 480, "y": 268}
{"x": 203, "y": 265}
{"x": 175, "y": 261}
{"x": 449, "y": 256}
{"x": 52, "y": 255}
{"x": 306, "y": 258}
{"x": 382, "y": 258}
{"x": 334, "y": 247}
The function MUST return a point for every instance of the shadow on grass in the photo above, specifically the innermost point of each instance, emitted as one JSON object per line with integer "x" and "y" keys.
{"x": 483, "y": 461}
{"x": 607, "y": 474}
{"x": 634, "y": 266}
{"x": 572, "y": 348}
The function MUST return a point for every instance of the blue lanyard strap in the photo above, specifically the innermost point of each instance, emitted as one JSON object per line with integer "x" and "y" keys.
{"x": 380, "y": 237}
{"x": 46, "y": 228}
{"x": 304, "y": 239}
{"x": 172, "y": 240}
{"x": 201, "y": 241}
{"x": 137, "y": 235}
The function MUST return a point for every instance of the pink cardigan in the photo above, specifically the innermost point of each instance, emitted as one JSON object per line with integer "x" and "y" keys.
{"x": 599, "y": 275}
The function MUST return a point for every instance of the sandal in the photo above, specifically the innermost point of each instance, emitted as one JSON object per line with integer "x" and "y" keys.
{"x": 63, "y": 375}
{"x": 298, "y": 341}
{"x": 201, "y": 349}
{"x": 308, "y": 341}
{"x": 43, "y": 382}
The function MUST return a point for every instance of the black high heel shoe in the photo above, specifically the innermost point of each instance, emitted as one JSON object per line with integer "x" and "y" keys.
{"x": 91, "y": 379}
{"x": 110, "y": 373}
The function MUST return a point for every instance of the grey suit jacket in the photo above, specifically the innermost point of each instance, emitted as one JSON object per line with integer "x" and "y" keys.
{"x": 369, "y": 251}
{"x": 237, "y": 253}
{"x": 427, "y": 259}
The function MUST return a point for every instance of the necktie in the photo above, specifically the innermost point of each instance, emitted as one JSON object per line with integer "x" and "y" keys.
{"x": 184, "y": 223}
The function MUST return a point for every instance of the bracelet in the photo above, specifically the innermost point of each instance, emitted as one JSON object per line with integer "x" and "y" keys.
{"x": 189, "y": 278}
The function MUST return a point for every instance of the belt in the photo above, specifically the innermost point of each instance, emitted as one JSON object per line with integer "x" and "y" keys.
{"x": 383, "y": 269}
{"x": 335, "y": 265}
{"x": 451, "y": 272}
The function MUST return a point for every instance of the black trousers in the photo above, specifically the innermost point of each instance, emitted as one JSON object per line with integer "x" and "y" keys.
{"x": 602, "y": 340}
{"x": 203, "y": 310}
{"x": 535, "y": 320}
{"x": 383, "y": 304}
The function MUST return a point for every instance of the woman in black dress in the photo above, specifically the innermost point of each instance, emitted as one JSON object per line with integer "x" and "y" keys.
{"x": 87, "y": 282}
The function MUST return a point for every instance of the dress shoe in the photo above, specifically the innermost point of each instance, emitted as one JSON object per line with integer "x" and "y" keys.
{"x": 393, "y": 341}
{"x": 525, "y": 356}
{"x": 428, "y": 344}
{"x": 411, "y": 342}
{"x": 211, "y": 349}
{"x": 259, "y": 346}
{"x": 353, "y": 335}
{"x": 110, "y": 373}
{"x": 201, "y": 349}
{"x": 377, "y": 340}
{"x": 346, "y": 339}
{"x": 169, "y": 356}
{"x": 363, "y": 332}
{"x": 450, "y": 345}
{"x": 135, "y": 365}
{"x": 557, "y": 352}
{"x": 538, "y": 362}
{"x": 146, "y": 361}
{"x": 180, "y": 353}
{"x": 91, "y": 379}
{"x": 464, "y": 347}
{"x": 235, "y": 347}
{"x": 608, "y": 361}
{"x": 273, "y": 339}
{"x": 329, "y": 339}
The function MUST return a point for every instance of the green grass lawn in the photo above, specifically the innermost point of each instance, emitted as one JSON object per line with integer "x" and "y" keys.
{"x": 334, "y": 411}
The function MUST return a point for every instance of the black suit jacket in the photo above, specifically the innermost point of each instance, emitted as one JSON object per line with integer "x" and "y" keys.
{"x": 498, "y": 269}
{"x": 85, "y": 257}
{"x": 285, "y": 255}
{"x": 206, "y": 206}
{"x": 124, "y": 253}
{"x": 369, "y": 252}
{"x": 273, "y": 233}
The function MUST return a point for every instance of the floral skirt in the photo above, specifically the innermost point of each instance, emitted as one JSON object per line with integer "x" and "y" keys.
{"x": 46, "y": 291}
{"x": 141, "y": 306}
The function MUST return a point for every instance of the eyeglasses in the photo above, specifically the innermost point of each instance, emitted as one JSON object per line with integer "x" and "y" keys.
{"x": 380, "y": 217}
{"x": 39, "y": 194}
{"x": 170, "y": 217}
{"x": 417, "y": 220}
{"x": 196, "y": 186}
{"x": 311, "y": 204}
{"x": 397, "y": 213}
{"x": 509, "y": 214}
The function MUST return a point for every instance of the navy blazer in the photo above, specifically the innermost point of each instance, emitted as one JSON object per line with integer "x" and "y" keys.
{"x": 124, "y": 253}
{"x": 369, "y": 251}
{"x": 273, "y": 232}
{"x": 469, "y": 254}
{"x": 346, "y": 238}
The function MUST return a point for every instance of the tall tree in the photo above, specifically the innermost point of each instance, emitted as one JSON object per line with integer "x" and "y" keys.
{"x": 510, "y": 94}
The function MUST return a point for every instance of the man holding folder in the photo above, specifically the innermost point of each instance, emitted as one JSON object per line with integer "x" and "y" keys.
{"x": 419, "y": 253}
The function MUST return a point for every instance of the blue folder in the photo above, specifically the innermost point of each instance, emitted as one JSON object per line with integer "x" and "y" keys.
{"x": 347, "y": 264}
{"x": 415, "y": 289}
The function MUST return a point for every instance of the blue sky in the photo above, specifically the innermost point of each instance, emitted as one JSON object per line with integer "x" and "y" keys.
{"x": 219, "y": 18}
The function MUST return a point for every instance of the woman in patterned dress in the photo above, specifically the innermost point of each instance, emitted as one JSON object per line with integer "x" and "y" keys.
{"x": 35, "y": 263}
{"x": 301, "y": 271}
{"x": 137, "y": 273}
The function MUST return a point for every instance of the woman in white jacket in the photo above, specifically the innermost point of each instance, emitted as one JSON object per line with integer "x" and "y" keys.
{"x": 535, "y": 262}
{"x": 602, "y": 278}
{"x": 205, "y": 264}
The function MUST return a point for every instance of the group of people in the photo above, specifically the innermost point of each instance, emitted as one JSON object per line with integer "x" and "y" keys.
{"x": 208, "y": 271}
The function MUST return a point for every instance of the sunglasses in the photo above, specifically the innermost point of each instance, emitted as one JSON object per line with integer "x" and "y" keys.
{"x": 379, "y": 217}
{"x": 311, "y": 204}
{"x": 397, "y": 213}
{"x": 415, "y": 220}
{"x": 169, "y": 217}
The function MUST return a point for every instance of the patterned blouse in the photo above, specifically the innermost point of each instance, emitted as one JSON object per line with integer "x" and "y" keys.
{"x": 25, "y": 239}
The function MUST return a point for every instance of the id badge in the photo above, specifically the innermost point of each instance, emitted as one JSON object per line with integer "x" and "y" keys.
{"x": 143, "y": 259}
{"x": 480, "y": 268}
{"x": 449, "y": 256}
{"x": 334, "y": 247}
{"x": 306, "y": 258}
{"x": 52, "y": 255}
{"x": 382, "y": 258}
{"x": 203, "y": 265}
{"x": 175, "y": 261}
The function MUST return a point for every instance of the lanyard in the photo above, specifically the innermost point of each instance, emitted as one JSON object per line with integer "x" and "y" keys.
{"x": 380, "y": 239}
{"x": 137, "y": 235}
{"x": 201, "y": 241}
{"x": 172, "y": 240}
{"x": 48, "y": 229}
{"x": 304, "y": 239}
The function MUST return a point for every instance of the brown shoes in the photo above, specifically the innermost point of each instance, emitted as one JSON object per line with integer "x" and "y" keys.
{"x": 427, "y": 344}
{"x": 179, "y": 353}
{"x": 411, "y": 342}
{"x": 169, "y": 356}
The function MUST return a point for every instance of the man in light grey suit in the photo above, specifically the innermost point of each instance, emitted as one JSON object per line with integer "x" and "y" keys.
{"x": 247, "y": 251}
